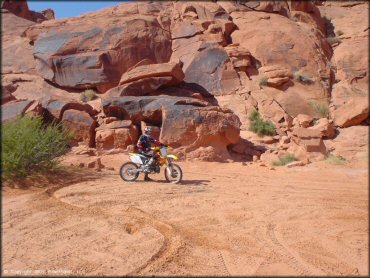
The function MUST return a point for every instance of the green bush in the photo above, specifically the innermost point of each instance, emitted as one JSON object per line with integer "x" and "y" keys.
{"x": 333, "y": 40}
{"x": 88, "y": 95}
{"x": 321, "y": 108}
{"x": 293, "y": 18}
{"x": 263, "y": 81}
{"x": 339, "y": 33}
{"x": 258, "y": 64}
{"x": 259, "y": 126}
{"x": 335, "y": 159}
{"x": 29, "y": 146}
{"x": 284, "y": 160}
{"x": 302, "y": 78}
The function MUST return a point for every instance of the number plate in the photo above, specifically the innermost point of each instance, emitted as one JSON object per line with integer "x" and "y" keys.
{"x": 164, "y": 152}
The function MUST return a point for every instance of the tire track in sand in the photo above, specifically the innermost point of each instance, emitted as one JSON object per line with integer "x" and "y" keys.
{"x": 172, "y": 241}
{"x": 285, "y": 253}
{"x": 170, "y": 248}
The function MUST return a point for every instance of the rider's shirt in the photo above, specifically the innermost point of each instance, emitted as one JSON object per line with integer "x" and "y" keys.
{"x": 145, "y": 142}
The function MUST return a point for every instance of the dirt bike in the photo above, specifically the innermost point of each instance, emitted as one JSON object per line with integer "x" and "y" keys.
{"x": 139, "y": 163}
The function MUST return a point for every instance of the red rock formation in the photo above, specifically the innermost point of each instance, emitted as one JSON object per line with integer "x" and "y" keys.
{"x": 111, "y": 41}
{"x": 194, "y": 71}
{"x": 20, "y": 8}
{"x": 350, "y": 94}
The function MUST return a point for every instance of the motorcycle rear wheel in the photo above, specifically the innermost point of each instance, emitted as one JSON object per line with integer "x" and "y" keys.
{"x": 176, "y": 176}
{"x": 125, "y": 169}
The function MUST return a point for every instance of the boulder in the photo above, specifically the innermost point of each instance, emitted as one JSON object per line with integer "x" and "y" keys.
{"x": 110, "y": 41}
{"x": 14, "y": 46}
{"x": 308, "y": 12}
{"x": 306, "y": 133}
{"x": 56, "y": 108}
{"x": 351, "y": 142}
{"x": 183, "y": 123}
{"x": 350, "y": 63}
{"x": 14, "y": 109}
{"x": 185, "y": 30}
{"x": 81, "y": 125}
{"x": 350, "y": 94}
{"x": 302, "y": 120}
{"x": 309, "y": 139}
{"x": 269, "y": 158}
{"x": 352, "y": 21}
{"x": 172, "y": 70}
{"x": 354, "y": 112}
{"x": 197, "y": 43}
{"x": 141, "y": 87}
{"x": 6, "y": 92}
{"x": 280, "y": 7}
{"x": 33, "y": 87}
{"x": 189, "y": 10}
{"x": 275, "y": 71}
{"x": 116, "y": 138}
{"x": 269, "y": 108}
{"x": 292, "y": 48}
{"x": 325, "y": 127}
{"x": 19, "y": 8}
{"x": 239, "y": 56}
{"x": 212, "y": 69}
{"x": 207, "y": 154}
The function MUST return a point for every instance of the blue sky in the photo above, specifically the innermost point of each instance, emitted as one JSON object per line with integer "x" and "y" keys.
{"x": 70, "y": 8}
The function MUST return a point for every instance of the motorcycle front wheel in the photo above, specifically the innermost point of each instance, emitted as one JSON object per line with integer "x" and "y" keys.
{"x": 175, "y": 176}
{"x": 127, "y": 172}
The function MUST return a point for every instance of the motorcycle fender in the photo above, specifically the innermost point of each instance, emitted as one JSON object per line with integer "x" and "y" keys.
{"x": 135, "y": 158}
{"x": 173, "y": 156}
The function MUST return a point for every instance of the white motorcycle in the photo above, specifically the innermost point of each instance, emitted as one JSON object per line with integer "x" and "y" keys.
{"x": 139, "y": 163}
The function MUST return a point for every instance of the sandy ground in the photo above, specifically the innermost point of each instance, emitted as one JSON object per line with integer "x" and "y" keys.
{"x": 224, "y": 219}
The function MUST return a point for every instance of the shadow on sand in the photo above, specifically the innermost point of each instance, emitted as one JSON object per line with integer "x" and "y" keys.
{"x": 195, "y": 182}
{"x": 187, "y": 182}
{"x": 63, "y": 176}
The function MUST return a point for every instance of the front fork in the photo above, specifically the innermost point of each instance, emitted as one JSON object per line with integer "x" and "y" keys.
{"x": 169, "y": 166}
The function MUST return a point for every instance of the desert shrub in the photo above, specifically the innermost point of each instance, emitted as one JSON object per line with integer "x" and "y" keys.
{"x": 259, "y": 126}
{"x": 335, "y": 159}
{"x": 257, "y": 64}
{"x": 263, "y": 81}
{"x": 339, "y": 33}
{"x": 28, "y": 145}
{"x": 88, "y": 95}
{"x": 302, "y": 78}
{"x": 315, "y": 121}
{"x": 293, "y": 18}
{"x": 284, "y": 160}
{"x": 321, "y": 108}
{"x": 333, "y": 40}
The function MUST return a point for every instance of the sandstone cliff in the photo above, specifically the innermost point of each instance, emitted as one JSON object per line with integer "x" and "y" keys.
{"x": 195, "y": 71}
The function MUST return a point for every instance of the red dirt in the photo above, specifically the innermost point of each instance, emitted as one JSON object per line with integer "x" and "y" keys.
{"x": 224, "y": 219}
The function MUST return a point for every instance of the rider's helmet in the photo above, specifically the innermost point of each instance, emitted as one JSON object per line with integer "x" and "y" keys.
{"x": 148, "y": 130}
